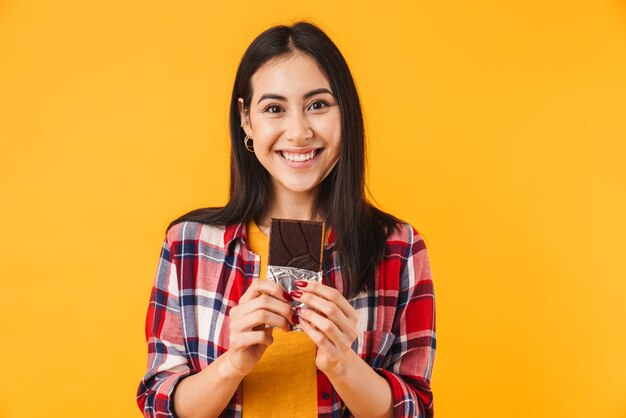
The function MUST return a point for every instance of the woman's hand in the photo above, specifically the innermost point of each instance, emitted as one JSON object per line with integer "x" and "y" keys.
{"x": 330, "y": 321}
{"x": 263, "y": 305}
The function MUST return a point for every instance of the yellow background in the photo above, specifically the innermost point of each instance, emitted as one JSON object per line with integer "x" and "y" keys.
{"x": 496, "y": 127}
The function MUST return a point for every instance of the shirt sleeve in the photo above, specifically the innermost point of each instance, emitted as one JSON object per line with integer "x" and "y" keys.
{"x": 167, "y": 362}
{"x": 413, "y": 349}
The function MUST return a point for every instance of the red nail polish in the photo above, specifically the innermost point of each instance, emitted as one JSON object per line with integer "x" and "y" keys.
{"x": 301, "y": 283}
{"x": 287, "y": 296}
{"x": 296, "y": 294}
{"x": 294, "y": 319}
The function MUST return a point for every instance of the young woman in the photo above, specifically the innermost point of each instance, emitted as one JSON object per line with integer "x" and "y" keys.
{"x": 218, "y": 334}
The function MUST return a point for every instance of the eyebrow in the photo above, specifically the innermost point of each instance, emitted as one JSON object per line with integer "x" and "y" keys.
{"x": 306, "y": 95}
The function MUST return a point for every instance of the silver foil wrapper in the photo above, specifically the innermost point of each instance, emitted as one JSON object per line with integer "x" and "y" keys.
{"x": 285, "y": 276}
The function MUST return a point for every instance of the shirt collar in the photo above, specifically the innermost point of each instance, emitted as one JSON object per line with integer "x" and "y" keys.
{"x": 234, "y": 233}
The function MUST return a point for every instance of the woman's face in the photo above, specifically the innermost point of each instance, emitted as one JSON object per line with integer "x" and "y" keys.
{"x": 295, "y": 123}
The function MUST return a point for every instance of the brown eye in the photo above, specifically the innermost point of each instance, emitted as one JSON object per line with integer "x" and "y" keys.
{"x": 273, "y": 109}
{"x": 320, "y": 104}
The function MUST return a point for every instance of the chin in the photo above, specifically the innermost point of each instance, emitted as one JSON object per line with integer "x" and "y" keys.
{"x": 301, "y": 188}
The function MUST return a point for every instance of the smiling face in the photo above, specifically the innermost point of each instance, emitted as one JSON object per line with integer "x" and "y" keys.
{"x": 295, "y": 123}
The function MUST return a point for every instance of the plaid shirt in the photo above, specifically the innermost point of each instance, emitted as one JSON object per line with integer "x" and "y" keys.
{"x": 204, "y": 270}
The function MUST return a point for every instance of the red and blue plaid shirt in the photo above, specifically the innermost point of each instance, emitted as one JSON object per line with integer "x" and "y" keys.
{"x": 204, "y": 270}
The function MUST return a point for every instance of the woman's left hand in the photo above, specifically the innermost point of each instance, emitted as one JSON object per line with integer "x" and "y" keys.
{"x": 330, "y": 321}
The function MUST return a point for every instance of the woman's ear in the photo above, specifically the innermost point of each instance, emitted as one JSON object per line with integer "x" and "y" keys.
{"x": 244, "y": 116}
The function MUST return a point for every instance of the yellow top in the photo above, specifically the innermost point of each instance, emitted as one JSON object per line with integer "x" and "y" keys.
{"x": 284, "y": 382}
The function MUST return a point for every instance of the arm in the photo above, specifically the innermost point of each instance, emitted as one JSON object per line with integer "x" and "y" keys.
{"x": 208, "y": 392}
{"x": 413, "y": 350}
{"x": 365, "y": 392}
{"x": 217, "y": 382}
{"x": 167, "y": 362}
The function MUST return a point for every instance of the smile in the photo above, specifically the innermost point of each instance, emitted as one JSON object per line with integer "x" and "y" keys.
{"x": 299, "y": 157}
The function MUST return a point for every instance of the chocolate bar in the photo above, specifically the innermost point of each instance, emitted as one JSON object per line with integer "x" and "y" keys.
{"x": 296, "y": 244}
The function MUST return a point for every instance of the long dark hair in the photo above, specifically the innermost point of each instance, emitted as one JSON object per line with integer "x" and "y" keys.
{"x": 359, "y": 228}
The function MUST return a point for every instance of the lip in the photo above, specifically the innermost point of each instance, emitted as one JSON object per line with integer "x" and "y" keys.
{"x": 298, "y": 150}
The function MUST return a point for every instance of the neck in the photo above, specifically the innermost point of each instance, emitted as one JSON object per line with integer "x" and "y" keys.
{"x": 290, "y": 205}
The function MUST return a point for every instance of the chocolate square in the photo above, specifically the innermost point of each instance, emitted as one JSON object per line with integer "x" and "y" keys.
{"x": 296, "y": 244}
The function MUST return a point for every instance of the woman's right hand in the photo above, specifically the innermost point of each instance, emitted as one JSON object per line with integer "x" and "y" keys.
{"x": 264, "y": 304}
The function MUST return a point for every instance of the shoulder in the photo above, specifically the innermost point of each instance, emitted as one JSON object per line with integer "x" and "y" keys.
{"x": 407, "y": 244}
{"x": 405, "y": 236}
{"x": 214, "y": 235}
{"x": 405, "y": 261}
{"x": 411, "y": 248}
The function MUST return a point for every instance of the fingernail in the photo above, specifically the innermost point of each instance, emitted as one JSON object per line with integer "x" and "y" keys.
{"x": 294, "y": 319}
{"x": 301, "y": 283}
{"x": 287, "y": 296}
{"x": 296, "y": 294}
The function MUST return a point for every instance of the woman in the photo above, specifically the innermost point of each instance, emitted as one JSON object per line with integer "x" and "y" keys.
{"x": 219, "y": 337}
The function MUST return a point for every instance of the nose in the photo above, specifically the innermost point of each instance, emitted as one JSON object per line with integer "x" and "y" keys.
{"x": 298, "y": 128}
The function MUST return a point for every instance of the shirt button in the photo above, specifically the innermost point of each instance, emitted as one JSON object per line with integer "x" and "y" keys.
{"x": 326, "y": 396}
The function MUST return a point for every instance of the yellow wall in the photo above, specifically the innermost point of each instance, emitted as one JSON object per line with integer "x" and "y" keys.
{"x": 496, "y": 127}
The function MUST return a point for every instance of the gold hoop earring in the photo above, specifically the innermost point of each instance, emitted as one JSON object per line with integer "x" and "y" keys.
{"x": 249, "y": 146}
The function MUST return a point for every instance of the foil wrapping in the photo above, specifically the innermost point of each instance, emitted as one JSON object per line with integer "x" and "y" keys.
{"x": 286, "y": 276}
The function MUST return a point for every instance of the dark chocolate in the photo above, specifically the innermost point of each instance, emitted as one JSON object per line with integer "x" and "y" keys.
{"x": 296, "y": 244}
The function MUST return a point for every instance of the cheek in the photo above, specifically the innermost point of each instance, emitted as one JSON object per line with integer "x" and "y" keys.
{"x": 265, "y": 131}
{"x": 330, "y": 129}
{"x": 264, "y": 126}
{"x": 335, "y": 135}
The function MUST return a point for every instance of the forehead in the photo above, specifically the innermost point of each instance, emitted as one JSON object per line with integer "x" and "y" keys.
{"x": 290, "y": 75}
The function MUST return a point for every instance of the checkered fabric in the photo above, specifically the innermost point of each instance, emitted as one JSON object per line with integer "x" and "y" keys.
{"x": 204, "y": 270}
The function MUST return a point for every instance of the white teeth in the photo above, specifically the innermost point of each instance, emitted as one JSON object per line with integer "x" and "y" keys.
{"x": 298, "y": 157}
